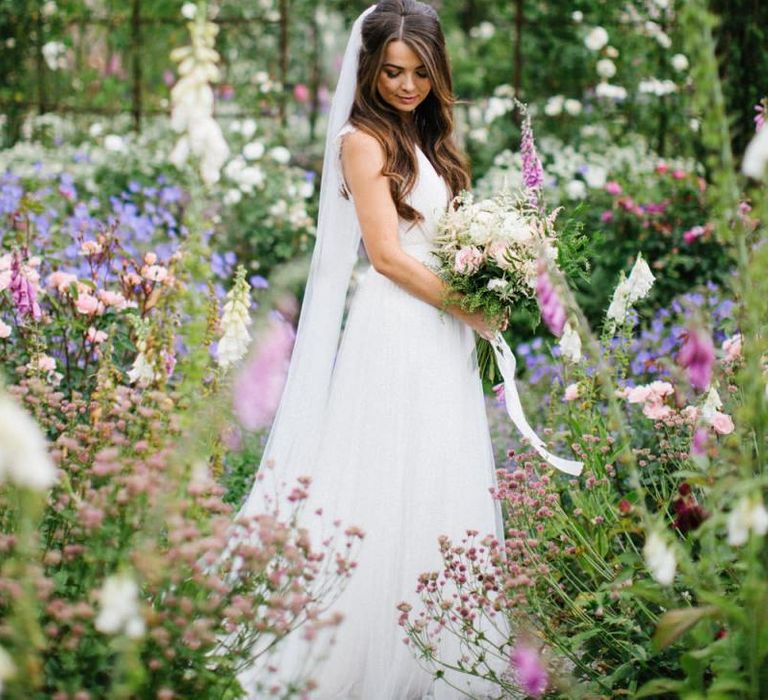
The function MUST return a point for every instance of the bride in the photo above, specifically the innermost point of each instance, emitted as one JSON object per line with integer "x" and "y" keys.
{"x": 389, "y": 423}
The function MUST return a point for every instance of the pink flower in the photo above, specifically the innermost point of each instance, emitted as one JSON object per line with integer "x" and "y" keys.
{"x": 692, "y": 234}
{"x": 606, "y": 216}
{"x": 154, "y": 273}
{"x": 572, "y": 392}
{"x": 533, "y": 173}
{"x": 23, "y": 286}
{"x": 732, "y": 348}
{"x": 659, "y": 390}
{"x": 468, "y": 260}
{"x": 699, "y": 442}
{"x": 259, "y": 384}
{"x": 722, "y": 423}
{"x": 612, "y": 187}
{"x": 690, "y": 414}
{"x": 498, "y": 389}
{"x": 114, "y": 299}
{"x": 61, "y": 280}
{"x": 87, "y": 304}
{"x": 678, "y": 174}
{"x": 638, "y": 394}
{"x": 95, "y": 336}
{"x": 552, "y": 309}
{"x": 657, "y": 411}
{"x": 301, "y": 92}
{"x": 90, "y": 248}
{"x": 530, "y": 673}
{"x": 697, "y": 355}
{"x": 496, "y": 250}
{"x": 662, "y": 168}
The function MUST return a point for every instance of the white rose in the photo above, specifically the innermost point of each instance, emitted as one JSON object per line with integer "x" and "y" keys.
{"x": 596, "y": 39}
{"x": 606, "y": 68}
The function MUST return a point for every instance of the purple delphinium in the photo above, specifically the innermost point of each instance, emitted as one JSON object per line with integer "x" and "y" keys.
{"x": 552, "y": 309}
{"x": 530, "y": 673}
{"x": 698, "y": 355}
{"x": 533, "y": 173}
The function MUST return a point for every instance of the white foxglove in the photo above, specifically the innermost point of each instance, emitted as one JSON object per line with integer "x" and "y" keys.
{"x": 24, "y": 458}
{"x": 660, "y": 559}
{"x": 640, "y": 280}
{"x": 756, "y": 155}
{"x": 235, "y": 320}
{"x": 748, "y": 515}
{"x": 570, "y": 344}
{"x": 119, "y": 607}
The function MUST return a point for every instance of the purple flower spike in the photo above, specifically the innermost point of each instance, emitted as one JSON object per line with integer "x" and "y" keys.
{"x": 23, "y": 291}
{"x": 697, "y": 355}
{"x": 529, "y": 670}
{"x": 533, "y": 173}
{"x": 552, "y": 309}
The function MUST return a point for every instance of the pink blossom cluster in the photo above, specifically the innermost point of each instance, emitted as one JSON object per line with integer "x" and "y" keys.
{"x": 468, "y": 260}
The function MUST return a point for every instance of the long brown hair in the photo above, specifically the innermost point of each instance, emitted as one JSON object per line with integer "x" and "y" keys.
{"x": 417, "y": 25}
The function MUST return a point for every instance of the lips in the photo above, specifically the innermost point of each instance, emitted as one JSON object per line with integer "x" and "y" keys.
{"x": 407, "y": 100}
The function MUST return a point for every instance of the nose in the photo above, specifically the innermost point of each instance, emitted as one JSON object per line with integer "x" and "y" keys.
{"x": 408, "y": 84}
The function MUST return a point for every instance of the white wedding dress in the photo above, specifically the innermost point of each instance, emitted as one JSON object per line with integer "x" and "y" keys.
{"x": 406, "y": 455}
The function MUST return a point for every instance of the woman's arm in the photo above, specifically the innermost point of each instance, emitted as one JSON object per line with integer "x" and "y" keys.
{"x": 363, "y": 161}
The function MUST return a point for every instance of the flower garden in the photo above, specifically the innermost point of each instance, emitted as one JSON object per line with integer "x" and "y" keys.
{"x": 158, "y": 197}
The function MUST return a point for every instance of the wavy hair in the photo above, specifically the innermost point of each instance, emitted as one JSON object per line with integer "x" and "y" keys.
{"x": 417, "y": 25}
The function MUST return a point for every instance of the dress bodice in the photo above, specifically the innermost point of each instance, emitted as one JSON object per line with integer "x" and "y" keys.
{"x": 430, "y": 196}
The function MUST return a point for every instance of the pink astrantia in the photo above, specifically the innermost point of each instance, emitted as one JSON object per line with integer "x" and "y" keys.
{"x": 530, "y": 673}
{"x": 697, "y": 355}
{"x": 259, "y": 385}
{"x": 552, "y": 309}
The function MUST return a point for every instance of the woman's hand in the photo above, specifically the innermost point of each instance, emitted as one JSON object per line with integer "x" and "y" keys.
{"x": 484, "y": 327}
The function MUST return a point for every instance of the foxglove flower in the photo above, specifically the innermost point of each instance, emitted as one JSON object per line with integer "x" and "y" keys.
{"x": 23, "y": 288}
{"x": 24, "y": 458}
{"x": 533, "y": 173}
{"x": 235, "y": 321}
{"x": 697, "y": 355}
{"x": 530, "y": 673}
{"x": 756, "y": 155}
{"x": 570, "y": 345}
{"x": 660, "y": 559}
{"x": 748, "y": 515}
{"x": 259, "y": 384}
{"x": 552, "y": 309}
{"x": 640, "y": 280}
{"x": 119, "y": 607}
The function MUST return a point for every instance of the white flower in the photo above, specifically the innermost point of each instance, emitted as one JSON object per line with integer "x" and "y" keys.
{"x": 253, "y": 150}
{"x": 640, "y": 280}
{"x": 570, "y": 344}
{"x": 612, "y": 92}
{"x": 576, "y": 189}
{"x": 679, "y": 62}
{"x": 514, "y": 228}
{"x": 660, "y": 559}
{"x": 7, "y": 668}
{"x": 115, "y": 143}
{"x": 749, "y": 514}
{"x": 606, "y": 68}
{"x": 119, "y": 607}
{"x": 496, "y": 284}
{"x": 280, "y": 154}
{"x": 712, "y": 404}
{"x": 756, "y": 155}
{"x": 248, "y": 128}
{"x": 142, "y": 372}
{"x": 95, "y": 130}
{"x": 188, "y": 10}
{"x": 577, "y": 16}
{"x": 596, "y": 39}
{"x": 617, "y": 310}
{"x": 663, "y": 4}
{"x": 235, "y": 320}
{"x": 596, "y": 176}
{"x": 24, "y": 458}
{"x": 232, "y": 196}
{"x": 5, "y": 329}
{"x": 554, "y": 105}
{"x": 611, "y": 52}
{"x": 54, "y": 55}
{"x": 573, "y": 107}
{"x": 657, "y": 87}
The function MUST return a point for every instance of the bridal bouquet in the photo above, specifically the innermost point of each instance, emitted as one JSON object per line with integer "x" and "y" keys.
{"x": 490, "y": 252}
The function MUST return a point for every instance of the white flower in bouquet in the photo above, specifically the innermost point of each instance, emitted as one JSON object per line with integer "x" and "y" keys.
{"x": 119, "y": 607}
{"x": 748, "y": 515}
{"x": 515, "y": 228}
{"x": 24, "y": 458}
{"x": 235, "y": 320}
{"x": 570, "y": 344}
{"x": 660, "y": 559}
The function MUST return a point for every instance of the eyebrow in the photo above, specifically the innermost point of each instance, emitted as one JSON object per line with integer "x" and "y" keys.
{"x": 394, "y": 65}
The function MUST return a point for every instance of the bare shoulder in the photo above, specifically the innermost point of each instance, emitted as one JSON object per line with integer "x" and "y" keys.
{"x": 361, "y": 153}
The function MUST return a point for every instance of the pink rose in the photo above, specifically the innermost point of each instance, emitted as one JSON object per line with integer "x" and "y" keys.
{"x": 692, "y": 234}
{"x": 61, "y": 280}
{"x": 732, "y": 348}
{"x": 115, "y": 299}
{"x": 87, "y": 304}
{"x": 612, "y": 187}
{"x": 571, "y": 392}
{"x": 95, "y": 336}
{"x": 662, "y": 168}
{"x": 468, "y": 260}
{"x": 678, "y": 174}
{"x": 154, "y": 273}
{"x": 496, "y": 250}
{"x": 90, "y": 248}
{"x": 638, "y": 394}
{"x": 722, "y": 423}
{"x": 658, "y": 390}
{"x": 657, "y": 411}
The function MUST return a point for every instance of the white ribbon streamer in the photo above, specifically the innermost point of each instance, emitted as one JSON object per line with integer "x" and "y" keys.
{"x": 505, "y": 359}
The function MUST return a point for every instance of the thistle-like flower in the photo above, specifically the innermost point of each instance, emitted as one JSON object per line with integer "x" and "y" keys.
{"x": 235, "y": 320}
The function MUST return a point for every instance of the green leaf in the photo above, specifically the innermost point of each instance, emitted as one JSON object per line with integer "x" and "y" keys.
{"x": 675, "y": 623}
{"x": 658, "y": 686}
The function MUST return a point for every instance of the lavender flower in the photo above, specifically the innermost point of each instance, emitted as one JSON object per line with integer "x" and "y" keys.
{"x": 698, "y": 355}
{"x": 529, "y": 670}
{"x": 552, "y": 309}
{"x": 533, "y": 173}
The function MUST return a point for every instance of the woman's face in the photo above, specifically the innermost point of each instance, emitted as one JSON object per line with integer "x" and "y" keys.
{"x": 403, "y": 81}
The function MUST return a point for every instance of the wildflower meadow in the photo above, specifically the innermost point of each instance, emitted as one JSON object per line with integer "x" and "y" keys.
{"x": 160, "y": 173}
